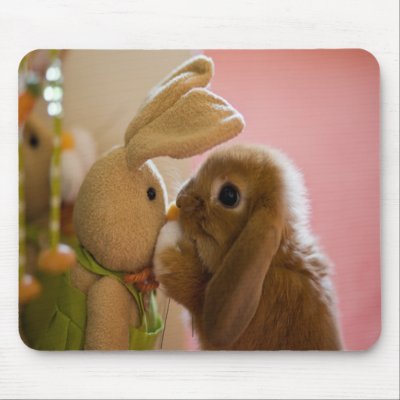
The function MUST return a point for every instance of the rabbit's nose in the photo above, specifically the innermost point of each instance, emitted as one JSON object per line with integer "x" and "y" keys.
{"x": 187, "y": 202}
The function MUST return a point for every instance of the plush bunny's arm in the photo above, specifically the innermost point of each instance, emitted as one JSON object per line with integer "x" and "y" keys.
{"x": 110, "y": 311}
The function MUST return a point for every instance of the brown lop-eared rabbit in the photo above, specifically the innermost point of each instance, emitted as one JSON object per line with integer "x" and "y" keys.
{"x": 241, "y": 258}
{"x": 121, "y": 205}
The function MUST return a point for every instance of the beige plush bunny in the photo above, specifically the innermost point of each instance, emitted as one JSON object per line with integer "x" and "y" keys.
{"x": 242, "y": 259}
{"x": 121, "y": 205}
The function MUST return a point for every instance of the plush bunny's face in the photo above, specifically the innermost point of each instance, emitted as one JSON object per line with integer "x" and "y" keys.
{"x": 119, "y": 212}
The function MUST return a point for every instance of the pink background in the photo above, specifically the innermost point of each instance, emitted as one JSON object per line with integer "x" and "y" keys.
{"x": 321, "y": 107}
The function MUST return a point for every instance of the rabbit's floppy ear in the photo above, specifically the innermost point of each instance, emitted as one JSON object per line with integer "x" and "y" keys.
{"x": 196, "y": 72}
{"x": 198, "y": 121}
{"x": 233, "y": 294}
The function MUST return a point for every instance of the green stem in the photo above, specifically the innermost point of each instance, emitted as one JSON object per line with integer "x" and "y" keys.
{"x": 55, "y": 184}
{"x": 21, "y": 198}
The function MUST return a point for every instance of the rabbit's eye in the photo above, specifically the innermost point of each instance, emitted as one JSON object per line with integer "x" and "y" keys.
{"x": 33, "y": 140}
{"x": 151, "y": 193}
{"x": 229, "y": 196}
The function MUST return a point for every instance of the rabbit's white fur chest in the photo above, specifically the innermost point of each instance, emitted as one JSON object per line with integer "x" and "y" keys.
{"x": 169, "y": 236}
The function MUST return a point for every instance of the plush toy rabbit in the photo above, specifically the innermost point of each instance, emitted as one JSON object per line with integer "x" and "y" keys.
{"x": 241, "y": 257}
{"x": 121, "y": 205}
{"x": 78, "y": 153}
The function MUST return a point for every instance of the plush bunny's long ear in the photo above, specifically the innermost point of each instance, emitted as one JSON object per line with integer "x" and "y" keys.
{"x": 180, "y": 118}
{"x": 195, "y": 123}
{"x": 195, "y": 72}
{"x": 233, "y": 294}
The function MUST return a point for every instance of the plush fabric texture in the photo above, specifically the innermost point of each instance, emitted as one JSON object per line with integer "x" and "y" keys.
{"x": 198, "y": 121}
{"x": 113, "y": 217}
{"x": 182, "y": 118}
{"x": 110, "y": 309}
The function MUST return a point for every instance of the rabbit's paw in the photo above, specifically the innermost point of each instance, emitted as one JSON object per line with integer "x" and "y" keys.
{"x": 168, "y": 237}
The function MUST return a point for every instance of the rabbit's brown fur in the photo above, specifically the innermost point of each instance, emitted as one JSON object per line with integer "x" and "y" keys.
{"x": 253, "y": 278}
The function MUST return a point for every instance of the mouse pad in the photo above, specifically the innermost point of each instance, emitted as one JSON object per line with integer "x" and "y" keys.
{"x": 199, "y": 200}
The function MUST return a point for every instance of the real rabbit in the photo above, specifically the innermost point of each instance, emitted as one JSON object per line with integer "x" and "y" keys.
{"x": 242, "y": 258}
